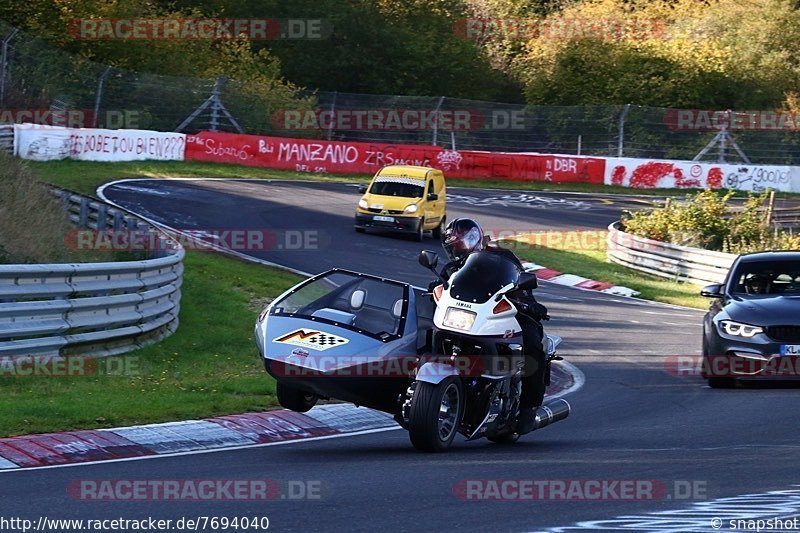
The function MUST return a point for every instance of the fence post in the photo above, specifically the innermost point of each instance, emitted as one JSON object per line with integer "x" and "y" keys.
{"x": 99, "y": 94}
{"x": 620, "y": 139}
{"x": 333, "y": 114}
{"x": 436, "y": 123}
{"x": 3, "y": 63}
{"x": 579, "y": 145}
{"x": 721, "y": 150}
{"x": 770, "y": 207}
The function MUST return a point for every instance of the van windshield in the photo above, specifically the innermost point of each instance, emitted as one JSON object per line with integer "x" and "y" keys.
{"x": 405, "y": 187}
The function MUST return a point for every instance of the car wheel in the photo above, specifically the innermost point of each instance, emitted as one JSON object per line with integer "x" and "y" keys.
{"x": 295, "y": 399}
{"x": 721, "y": 383}
{"x": 420, "y": 235}
{"x": 438, "y": 230}
{"x": 359, "y": 230}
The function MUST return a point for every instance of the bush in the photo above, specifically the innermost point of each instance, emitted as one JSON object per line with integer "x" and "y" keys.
{"x": 708, "y": 221}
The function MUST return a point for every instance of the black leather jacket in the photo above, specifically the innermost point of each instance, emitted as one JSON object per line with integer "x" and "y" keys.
{"x": 523, "y": 299}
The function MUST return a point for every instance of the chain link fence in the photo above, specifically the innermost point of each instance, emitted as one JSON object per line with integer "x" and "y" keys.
{"x": 36, "y": 75}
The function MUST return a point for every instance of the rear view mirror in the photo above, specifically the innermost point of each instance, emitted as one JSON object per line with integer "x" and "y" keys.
{"x": 712, "y": 291}
{"x": 428, "y": 259}
{"x": 432, "y": 197}
{"x": 528, "y": 281}
{"x": 362, "y": 189}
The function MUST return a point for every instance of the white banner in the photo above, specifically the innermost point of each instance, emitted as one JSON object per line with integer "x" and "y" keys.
{"x": 45, "y": 143}
{"x": 651, "y": 174}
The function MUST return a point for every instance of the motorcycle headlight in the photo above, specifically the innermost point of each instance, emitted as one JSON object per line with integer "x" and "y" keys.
{"x": 363, "y": 204}
{"x": 738, "y": 329}
{"x": 411, "y": 208}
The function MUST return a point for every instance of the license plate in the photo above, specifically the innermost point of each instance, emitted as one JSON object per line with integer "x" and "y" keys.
{"x": 378, "y": 218}
{"x": 790, "y": 349}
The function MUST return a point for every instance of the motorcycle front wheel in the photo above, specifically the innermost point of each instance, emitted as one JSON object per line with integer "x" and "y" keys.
{"x": 435, "y": 414}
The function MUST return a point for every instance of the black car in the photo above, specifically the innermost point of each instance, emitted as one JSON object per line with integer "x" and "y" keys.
{"x": 752, "y": 329}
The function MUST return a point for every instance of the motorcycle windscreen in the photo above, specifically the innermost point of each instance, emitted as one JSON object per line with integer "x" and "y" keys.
{"x": 483, "y": 274}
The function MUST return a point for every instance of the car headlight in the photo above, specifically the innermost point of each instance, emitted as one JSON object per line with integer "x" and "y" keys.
{"x": 411, "y": 208}
{"x": 363, "y": 204}
{"x": 738, "y": 329}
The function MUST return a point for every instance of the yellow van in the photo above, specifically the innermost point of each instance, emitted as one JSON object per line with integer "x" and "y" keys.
{"x": 404, "y": 198}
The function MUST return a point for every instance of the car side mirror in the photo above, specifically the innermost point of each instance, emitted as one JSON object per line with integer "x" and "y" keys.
{"x": 527, "y": 281}
{"x": 362, "y": 189}
{"x": 432, "y": 197}
{"x": 428, "y": 259}
{"x": 712, "y": 291}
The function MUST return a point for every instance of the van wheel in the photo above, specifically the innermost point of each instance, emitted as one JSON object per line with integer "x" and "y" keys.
{"x": 438, "y": 230}
{"x": 420, "y": 232}
{"x": 359, "y": 230}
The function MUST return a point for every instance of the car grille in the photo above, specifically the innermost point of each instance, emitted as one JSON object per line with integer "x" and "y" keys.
{"x": 784, "y": 333}
{"x": 379, "y": 211}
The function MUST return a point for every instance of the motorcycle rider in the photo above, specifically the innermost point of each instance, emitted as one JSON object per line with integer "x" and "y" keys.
{"x": 464, "y": 236}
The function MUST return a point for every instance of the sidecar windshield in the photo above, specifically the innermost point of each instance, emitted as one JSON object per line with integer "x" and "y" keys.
{"x": 483, "y": 274}
{"x": 351, "y": 300}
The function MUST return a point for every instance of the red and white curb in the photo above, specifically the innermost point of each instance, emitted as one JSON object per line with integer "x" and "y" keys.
{"x": 224, "y": 432}
{"x": 572, "y": 280}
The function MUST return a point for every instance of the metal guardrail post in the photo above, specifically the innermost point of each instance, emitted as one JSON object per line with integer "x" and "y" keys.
{"x": 4, "y": 63}
{"x": 436, "y": 122}
{"x": 99, "y": 94}
{"x": 621, "y": 136}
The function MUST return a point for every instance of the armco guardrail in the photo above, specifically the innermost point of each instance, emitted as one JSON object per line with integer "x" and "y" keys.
{"x": 665, "y": 260}
{"x": 92, "y": 309}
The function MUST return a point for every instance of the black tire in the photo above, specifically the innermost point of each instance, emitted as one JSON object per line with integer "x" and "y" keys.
{"x": 721, "y": 383}
{"x": 295, "y": 399}
{"x": 428, "y": 432}
{"x": 359, "y": 230}
{"x": 420, "y": 235}
{"x": 438, "y": 230}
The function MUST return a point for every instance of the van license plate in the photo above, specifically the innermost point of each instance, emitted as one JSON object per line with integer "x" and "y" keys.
{"x": 383, "y": 219}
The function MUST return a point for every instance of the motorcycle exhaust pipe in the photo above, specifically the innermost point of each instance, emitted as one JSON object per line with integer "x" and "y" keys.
{"x": 550, "y": 412}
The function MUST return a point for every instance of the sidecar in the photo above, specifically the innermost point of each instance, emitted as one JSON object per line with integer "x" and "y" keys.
{"x": 345, "y": 335}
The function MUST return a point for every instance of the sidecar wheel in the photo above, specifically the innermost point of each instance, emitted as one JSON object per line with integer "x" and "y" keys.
{"x": 295, "y": 399}
{"x": 435, "y": 414}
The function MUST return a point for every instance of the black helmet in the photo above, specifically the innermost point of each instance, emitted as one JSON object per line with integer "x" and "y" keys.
{"x": 461, "y": 237}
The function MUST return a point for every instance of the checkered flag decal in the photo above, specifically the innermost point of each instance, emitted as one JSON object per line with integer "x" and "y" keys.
{"x": 316, "y": 340}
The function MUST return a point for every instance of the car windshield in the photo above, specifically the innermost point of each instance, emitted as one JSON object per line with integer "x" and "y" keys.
{"x": 391, "y": 186}
{"x": 767, "y": 278}
{"x": 483, "y": 274}
{"x": 349, "y": 300}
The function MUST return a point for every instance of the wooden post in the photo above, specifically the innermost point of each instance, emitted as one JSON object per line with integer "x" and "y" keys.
{"x": 770, "y": 206}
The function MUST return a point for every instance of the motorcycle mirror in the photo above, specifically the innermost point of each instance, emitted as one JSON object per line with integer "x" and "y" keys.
{"x": 527, "y": 281}
{"x": 428, "y": 259}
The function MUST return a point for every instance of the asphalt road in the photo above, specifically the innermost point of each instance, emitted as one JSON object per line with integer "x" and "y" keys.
{"x": 634, "y": 419}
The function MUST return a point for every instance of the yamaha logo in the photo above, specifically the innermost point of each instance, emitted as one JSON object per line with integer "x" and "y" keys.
{"x": 463, "y": 304}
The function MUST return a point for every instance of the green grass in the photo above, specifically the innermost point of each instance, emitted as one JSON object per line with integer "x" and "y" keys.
{"x": 86, "y": 176}
{"x": 209, "y": 367}
{"x": 590, "y": 261}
